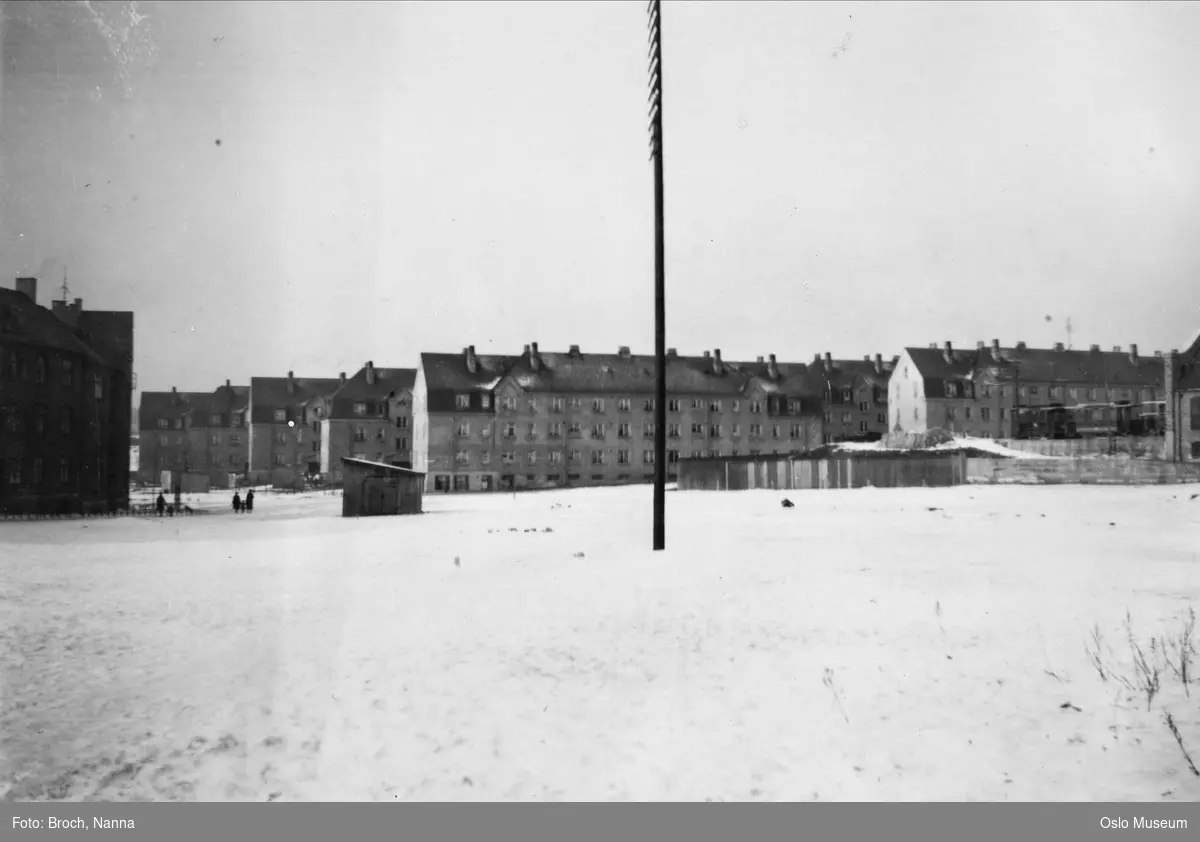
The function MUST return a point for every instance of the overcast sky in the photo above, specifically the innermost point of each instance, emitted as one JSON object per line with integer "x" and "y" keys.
{"x": 398, "y": 177}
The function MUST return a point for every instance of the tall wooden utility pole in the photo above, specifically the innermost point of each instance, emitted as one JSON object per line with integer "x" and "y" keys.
{"x": 654, "y": 10}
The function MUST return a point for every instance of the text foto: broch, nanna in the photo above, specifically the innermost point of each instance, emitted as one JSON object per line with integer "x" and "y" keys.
{"x": 77, "y": 823}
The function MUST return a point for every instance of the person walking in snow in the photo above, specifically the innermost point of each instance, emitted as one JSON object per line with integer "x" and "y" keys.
{"x": 250, "y": 501}
{"x": 237, "y": 503}
{"x": 161, "y": 504}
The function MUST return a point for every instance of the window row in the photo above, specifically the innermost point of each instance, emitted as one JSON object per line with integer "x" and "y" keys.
{"x": 559, "y": 429}
{"x": 18, "y": 471}
{"x": 510, "y": 404}
{"x": 36, "y": 421}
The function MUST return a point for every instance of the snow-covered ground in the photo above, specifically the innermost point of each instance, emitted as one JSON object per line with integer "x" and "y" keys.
{"x": 907, "y": 644}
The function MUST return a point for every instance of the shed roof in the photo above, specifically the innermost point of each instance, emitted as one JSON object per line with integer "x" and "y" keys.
{"x": 367, "y": 463}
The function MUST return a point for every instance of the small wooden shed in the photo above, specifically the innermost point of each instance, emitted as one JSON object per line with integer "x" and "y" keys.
{"x": 376, "y": 488}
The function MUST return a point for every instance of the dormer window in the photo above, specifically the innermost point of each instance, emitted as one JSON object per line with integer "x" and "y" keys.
{"x": 361, "y": 408}
{"x": 460, "y": 402}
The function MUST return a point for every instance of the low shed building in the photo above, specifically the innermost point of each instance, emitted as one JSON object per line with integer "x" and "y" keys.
{"x": 376, "y": 488}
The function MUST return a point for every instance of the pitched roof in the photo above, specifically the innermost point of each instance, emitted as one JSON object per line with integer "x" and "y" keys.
{"x": 387, "y": 380}
{"x": 272, "y": 392}
{"x": 169, "y": 405}
{"x": 585, "y": 373}
{"x": 1040, "y": 365}
{"x": 848, "y": 372}
{"x": 1187, "y": 375}
{"x": 367, "y": 463}
{"x": 23, "y": 321}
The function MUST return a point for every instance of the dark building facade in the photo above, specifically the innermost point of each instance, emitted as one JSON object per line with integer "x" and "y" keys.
{"x": 285, "y": 447}
{"x": 65, "y": 405}
{"x": 368, "y": 417}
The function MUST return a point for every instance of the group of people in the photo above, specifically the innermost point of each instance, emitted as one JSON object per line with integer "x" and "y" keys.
{"x": 246, "y": 506}
{"x": 161, "y": 505}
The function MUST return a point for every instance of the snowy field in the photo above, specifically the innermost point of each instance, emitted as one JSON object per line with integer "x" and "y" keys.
{"x": 909, "y": 644}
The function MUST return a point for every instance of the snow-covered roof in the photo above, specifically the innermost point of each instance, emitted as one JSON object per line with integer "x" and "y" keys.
{"x": 367, "y": 463}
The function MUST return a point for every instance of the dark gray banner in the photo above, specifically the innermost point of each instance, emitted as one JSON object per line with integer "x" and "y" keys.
{"x": 601, "y": 822}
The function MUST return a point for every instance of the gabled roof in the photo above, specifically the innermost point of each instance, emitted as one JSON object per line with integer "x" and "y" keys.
{"x": 849, "y": 372}
{"x": 23, "y": 321}
{"x": 170, "y": 405}
{"x": 387, "y": 381}
{"x": 272, "y": 392}
{"x": 1040, "y": 365}
{"x": 1187, "y": 375}
{"x": 584, "y": 373}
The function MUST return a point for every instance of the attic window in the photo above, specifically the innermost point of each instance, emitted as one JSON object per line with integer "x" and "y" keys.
{"x": 361, "y": 408}
{"x": 280, "y": 415}
{"x": 460, "y": 402}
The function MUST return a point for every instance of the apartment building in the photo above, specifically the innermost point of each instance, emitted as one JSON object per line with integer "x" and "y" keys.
{"x": 368, "y": 417}
{"x": 194, "y": 432}
{"x": 65, "y": 403}
{"x": 978, "y": 391}
{"x": 1182, "y": 403}
{"x": 285, "y": 447}
{"x": 855, "y": 396}
{"x": 549, "y": 419}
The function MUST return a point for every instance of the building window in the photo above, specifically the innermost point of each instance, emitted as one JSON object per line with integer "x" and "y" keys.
{"x": 464, "y": 429}
{"x": 531, "y": 432}
{"x": 162, "y": 424}
{"x": 648, "y": 406}
{"x": 1196, "y": 450}
{"x": 64, "y": 470}
{"x": 672, "y": 456}
{"x": 846, "y": 417}
{"x": 461, "y": 457}
{"x": 1194, "y": 406}
{"x": 485, "y": 458}
{"x": 360, "y": 409}
{"x": 402, "y": 422}
{"x": 776, "y": 431}
{"x": 714, "y": 406}
{"x": 673, "y": 405}
{"x": 510, "y": 430}
{"x": 441, "y": 482}
{"x": 950, "y": 413}
{"x": 460, "y": 402}
{"x": 485, "y": 401}
{"x": 967, "y": 413}
{"x": 532, "y": 405}
{"x": 597, "y": 404}
{"x": 531, "y": 457}
{"x": 756, "y": 430}
{"x": 214, "y": 439}
{"x": 847, "y": 396}
{"x": 736, "y": 407}
{"x": 555, "y": 430}
{"x": 556, "y": 404}
{"x": 598, "y": 431}
{"x": 648, "y": 457}
{"x": 555, "y": 458}
{"x": 281, "y": 459}
{"x": 597, "y": 457}
{"x": 68, "y": 373}
{"x": 714, "y": 430}
{"x": 985, "y": 413}
{"x": 575, "y": 456}
{"x": 736, "y": 431}
{"x": 508, "y": 457}
{"x": 863, "y": 406}
{"x": 697, "y": 429}
{"x": 622, "y": 457}
{"x": 12, "y": 471}
{"x": 952, "y": 390}
{"x": 881, "y": 418}
{"x": 574, "y": 429}
{"x": 797, "y": 431}
{"x": 862, "y": 426}
{"x": 756, "y": 407}
{"x": 673, "y": 431}
{"x": 623, "y": 405}
{"x": 623, "y": 431}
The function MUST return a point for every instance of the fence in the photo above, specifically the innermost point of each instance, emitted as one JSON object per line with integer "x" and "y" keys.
{"x": 1140, "y": 447}
{"x": 1119, "y": 471}
{"x": 881, "y": 470}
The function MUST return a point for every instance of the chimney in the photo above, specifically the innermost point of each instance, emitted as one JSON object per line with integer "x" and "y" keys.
{"x": 772, "y": 368}
{"x": 760, "y": 359}
{"x": 1058, "y": 346}
{"x": 291, "y": 383}
{"x": 707, "y": 355}
{"x": 1116, "y": 349}
{"x": 534, "y": 360}
{"x": 1096, "y": 348}
{"x": 1158, "y": 354}
{"x": 1021, "y": 345}
{"x": 342, "y": 378}
{"x": 933, "y": 346}
{"x": 718, "y": 366}
{"x": 866, "y": 358}
{"x": 172, "y": 390}
{"x": 879, "y": 363}
{"x": 672, "y": 352}
{"x": 226, "y": 384}
{"x": 526, "y": 351}
{"x": 1133, "y": 354}
{"x": 573, "y": 351}
{"x": 828, "y": 361}
{"x": 948, "y": 352}
{"x": 472, "y": 360}
{"x": 28, "y": 288}
{"x": 623, "y": 352}
{"x": 996, "y": 350}
{"x": 816, "y": 358}
{"x": 370, "y": 373}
